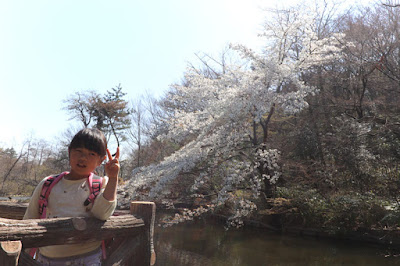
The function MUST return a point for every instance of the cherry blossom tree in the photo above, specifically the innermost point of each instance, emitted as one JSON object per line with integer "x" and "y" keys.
{"x": 217, "y": 118}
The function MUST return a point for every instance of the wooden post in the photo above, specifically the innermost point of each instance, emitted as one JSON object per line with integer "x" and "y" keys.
{"x": 9, "y": 252}
{"x": 147, "y": 211}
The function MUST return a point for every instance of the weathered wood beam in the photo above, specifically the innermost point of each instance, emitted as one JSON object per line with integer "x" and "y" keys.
{"x": 146, "y": 253}
{"x": 9, "y": 252}
{"x": 12, "y": 210}
{"x": 56, "y": 231}
{"x": 15, "y": 210}
{"x": 132, "y": 233}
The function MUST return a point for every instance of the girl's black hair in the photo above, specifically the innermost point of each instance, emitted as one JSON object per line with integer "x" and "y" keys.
{"x": 91, "y": 139}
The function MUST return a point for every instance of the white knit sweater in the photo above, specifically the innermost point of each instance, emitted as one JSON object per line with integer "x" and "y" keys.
{"x": 66, "y": 200}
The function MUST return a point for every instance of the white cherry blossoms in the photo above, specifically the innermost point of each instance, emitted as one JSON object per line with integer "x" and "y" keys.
{"x": 214, "y": 119}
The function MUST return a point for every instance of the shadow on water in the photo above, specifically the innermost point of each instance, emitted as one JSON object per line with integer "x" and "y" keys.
{"x": 200, "y": 243}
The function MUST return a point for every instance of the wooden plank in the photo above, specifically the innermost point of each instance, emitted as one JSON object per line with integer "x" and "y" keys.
{"x": 9, "y": 252}
{"x": 12, "y": 210}
{"x": 135, "y": 246}
{"x": 15, "y": 210}
{"x": 56, "y": 231}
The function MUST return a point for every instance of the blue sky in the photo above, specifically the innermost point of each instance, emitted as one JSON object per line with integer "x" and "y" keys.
{"x": 50, "y": 49}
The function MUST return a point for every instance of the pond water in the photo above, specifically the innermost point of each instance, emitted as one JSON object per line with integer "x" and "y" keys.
{"x": 203, "y": 243}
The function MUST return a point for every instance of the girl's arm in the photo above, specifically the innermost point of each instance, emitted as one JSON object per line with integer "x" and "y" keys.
{"x": 105, "y": 203}
{"x": 102, "y": 208}
{"x": 32, "y": 212}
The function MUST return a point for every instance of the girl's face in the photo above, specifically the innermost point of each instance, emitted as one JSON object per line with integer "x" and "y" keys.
{"x": 83, "y": 162}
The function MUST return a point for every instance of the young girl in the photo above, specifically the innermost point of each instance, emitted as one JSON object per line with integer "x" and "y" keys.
{"x": 87, "y": 151}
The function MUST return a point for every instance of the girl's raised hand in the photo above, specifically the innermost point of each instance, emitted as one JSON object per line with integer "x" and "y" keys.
{"x": 112, "y": 166}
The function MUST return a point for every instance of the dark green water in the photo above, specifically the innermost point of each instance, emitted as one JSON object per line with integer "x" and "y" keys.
{"x": 210, "y": 244}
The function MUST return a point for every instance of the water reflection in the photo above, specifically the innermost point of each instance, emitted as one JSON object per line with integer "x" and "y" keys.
{"x": 203, "y": 244}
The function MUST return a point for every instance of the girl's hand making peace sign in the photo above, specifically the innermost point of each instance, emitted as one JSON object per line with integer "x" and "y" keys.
{"x": 112, "y": 166}
{"x": 112, "y": 170}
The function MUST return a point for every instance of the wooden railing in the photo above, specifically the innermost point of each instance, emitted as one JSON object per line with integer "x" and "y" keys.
{"x": 128, "y": 234}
